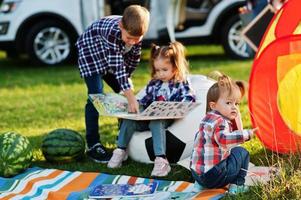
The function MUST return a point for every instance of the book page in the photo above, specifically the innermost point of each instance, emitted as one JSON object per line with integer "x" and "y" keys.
{"x": 167, "y": 109}
{"x": 109, "y": 104}
{"x": 116, "y": 106}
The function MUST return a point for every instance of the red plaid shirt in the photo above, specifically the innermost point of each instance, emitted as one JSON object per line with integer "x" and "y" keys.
{"x": 213, "y": 142}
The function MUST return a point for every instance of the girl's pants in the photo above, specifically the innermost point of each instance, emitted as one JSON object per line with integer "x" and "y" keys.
{"x": 231, "y": 170}
{"x": 157, "y": 128}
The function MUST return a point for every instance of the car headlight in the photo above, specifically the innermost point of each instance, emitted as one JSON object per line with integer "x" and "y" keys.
{"x": 9, "y": 6}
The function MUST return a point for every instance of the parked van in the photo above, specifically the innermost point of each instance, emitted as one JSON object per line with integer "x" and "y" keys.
{"x": 46, "y": 31}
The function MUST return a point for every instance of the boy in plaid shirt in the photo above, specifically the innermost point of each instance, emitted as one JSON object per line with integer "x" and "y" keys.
{"x": 110, "y": 50}
{"x": 217, "y": 159}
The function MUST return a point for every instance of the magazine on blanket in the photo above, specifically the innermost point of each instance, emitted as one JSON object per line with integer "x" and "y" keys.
{"x": 115, "y": 105}
{"x": 104, "y": 191}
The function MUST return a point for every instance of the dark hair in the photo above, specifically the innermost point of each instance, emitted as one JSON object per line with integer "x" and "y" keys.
{"x": 175, "y": 53}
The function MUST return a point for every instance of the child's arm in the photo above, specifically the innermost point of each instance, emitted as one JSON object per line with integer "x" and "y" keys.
{"x": 147, "y": 99}
{"x": 133, "y": 106}
{"x": 229, "y": 139}
{"x": 187, "y": 93}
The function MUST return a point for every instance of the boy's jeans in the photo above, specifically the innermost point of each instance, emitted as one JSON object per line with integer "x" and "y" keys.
{"x": 157, "y": 128}
{"x": 227, "y": 171}
{"x": 95, "y": 85}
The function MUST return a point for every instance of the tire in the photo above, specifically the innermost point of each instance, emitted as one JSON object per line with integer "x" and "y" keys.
{"x": 233, "y": 44}
{"x": 49, "y": 43}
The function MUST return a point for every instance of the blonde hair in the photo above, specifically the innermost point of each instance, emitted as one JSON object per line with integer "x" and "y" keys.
{"x": 226, "y": 85}
{"x": 175, "y": 53}
{"x": 135, "y": 20}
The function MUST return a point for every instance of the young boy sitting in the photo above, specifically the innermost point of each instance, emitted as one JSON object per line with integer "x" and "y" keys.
{"x": 217, "y": 160}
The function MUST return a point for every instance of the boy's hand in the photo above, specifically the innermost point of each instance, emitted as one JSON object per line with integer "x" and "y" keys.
{"x": 133, "y": 106}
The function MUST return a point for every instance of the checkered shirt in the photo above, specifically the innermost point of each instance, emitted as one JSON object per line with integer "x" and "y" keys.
{"x": 179, "y": 91}
{"x": 213, "y": 142}
{"x": 101, "y": 51}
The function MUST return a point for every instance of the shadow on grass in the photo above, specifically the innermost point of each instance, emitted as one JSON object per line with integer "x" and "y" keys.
{"x": 130, "y": 167}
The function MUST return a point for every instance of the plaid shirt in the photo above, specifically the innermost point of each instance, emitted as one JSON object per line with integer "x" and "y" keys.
{"x": 214, "y": 141}
{"x": 179, "y": 91}
{"x": 101, "y": 51}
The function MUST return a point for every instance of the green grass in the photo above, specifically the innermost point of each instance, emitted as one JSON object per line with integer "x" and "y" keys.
{"x": 38, "y": 99}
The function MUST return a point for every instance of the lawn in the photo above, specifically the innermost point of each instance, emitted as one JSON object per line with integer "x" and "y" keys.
{"x": 38, "y": 99}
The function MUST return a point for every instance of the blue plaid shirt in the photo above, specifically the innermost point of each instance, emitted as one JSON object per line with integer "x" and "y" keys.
{"x": 101, "y": 51}
{"x": 179, "y": 91}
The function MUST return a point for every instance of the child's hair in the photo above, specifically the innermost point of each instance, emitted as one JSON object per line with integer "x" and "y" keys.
{"x": 214, "y": 75}
{"x": 135, "y": 20}
{"x": 224, "y": 84}
{"x": 175, "y": 53}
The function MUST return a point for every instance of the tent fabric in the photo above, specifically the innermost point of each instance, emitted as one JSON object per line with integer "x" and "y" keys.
{"x": 287, "y": 21}
{"x": 275, "y": 130}
{"x": 276, "y": 111}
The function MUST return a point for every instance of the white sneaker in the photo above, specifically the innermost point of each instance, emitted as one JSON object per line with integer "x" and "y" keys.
{"x": 161, "y": 167}
{"x": 119, "y": 155}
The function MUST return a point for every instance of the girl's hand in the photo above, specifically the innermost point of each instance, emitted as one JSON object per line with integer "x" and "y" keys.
{"x": 133, "y": 105}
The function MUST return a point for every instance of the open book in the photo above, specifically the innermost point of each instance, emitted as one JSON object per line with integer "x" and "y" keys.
{"x": 115, "y": 105}
{"x": 104, "y": 191}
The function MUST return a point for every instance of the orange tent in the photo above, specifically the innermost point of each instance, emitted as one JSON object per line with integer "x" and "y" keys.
{"x": 275, "y": 82}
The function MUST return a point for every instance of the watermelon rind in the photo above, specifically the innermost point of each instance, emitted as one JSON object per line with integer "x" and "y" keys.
{"x": 63, "y": 145}
{"x": 15, "y": 154}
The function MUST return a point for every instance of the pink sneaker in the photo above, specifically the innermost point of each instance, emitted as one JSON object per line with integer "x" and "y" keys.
{"x": 161, "y": 167}
{"x": 119, "y": 155}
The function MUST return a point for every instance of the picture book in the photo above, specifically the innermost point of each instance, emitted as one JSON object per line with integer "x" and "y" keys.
{"x": 115, "y": 105}
{"x": 123, "y": 190}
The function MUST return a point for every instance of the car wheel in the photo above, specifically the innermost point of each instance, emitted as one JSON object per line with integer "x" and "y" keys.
{"x": 233, "y": 44}
{"x": 49, "y": 43}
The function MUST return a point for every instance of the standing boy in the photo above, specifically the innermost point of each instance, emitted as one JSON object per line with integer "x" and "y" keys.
{"x": 110, "y": 50}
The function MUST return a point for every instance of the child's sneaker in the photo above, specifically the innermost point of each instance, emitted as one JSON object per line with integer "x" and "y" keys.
{"x": 161, "y": 167}
{"x": 119, "y": 155}
{"x": 98, "y": 153}
{"x": 235, "y": 189}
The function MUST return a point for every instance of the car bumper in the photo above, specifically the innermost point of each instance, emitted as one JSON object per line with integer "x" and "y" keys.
{"x": 7, "y": 46}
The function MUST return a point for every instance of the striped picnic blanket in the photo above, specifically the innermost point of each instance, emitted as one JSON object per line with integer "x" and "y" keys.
{"x": 38, "y": 183}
